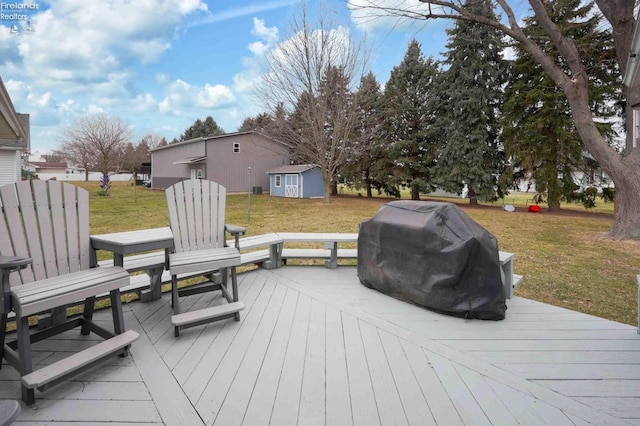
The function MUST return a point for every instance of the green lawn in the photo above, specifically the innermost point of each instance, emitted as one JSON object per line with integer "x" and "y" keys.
{"x": 564, "y": 258}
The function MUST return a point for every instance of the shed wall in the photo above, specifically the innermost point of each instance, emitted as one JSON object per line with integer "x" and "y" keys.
{"x": 312, "y": 183}
{"x": 273, "y": 189}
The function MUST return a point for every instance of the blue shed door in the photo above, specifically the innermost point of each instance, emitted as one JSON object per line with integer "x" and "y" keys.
{"x": 291, "y": 186}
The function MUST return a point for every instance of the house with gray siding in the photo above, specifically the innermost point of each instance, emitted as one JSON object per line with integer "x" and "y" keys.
{"x": 14, "y": 139}
{"x": 237, "y": 161}
{"x": 299, "y": 181}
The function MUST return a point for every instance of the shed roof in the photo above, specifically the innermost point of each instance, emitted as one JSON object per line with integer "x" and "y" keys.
{"x": 48, "y": 164}
{"x": 298, "y": 168}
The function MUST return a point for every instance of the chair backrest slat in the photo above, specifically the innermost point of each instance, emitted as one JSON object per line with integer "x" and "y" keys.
{"x": 48, "y": 222}
{"x": 38, "y": 225}
{"x": 9, "y": 245}
{"x": 83, "y": 234}
{"x": 62, "y": 253}
{"x": 196, "y": 214}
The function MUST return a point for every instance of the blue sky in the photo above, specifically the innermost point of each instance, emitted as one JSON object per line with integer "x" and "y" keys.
{"x": 161, "y": 64}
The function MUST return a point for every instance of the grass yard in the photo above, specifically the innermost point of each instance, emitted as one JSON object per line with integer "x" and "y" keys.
{"x": 563, "y": 256}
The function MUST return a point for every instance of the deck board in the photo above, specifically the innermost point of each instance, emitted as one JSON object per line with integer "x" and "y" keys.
{"x": 315, "y": 347}
{"x": 266, "y": 384}
{"x": 312, "y": 396}
{"x": 338, "y": 399}
{"x": 285, "y": 407}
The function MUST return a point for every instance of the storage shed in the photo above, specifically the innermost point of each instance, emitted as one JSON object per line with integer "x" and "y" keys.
{"x": 298, "y": 181}
{"x": 237, "y": 161}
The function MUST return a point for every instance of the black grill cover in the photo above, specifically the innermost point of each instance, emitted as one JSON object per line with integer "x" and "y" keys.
{"x": 433, "y": 255}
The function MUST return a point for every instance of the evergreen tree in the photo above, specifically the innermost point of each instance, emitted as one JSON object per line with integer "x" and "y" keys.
{"x": 469, "y": 101}
{"x": 540, "y": 134}
{"x": 200, "y": 128}
{"x": 262, "y": 123}
{"x": 365, "y": 149}
{"x": 407, "y": 108}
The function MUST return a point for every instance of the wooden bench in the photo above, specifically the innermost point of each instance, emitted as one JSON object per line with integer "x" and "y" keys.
{"x": 509, "y": 279}
{"x": 274, "y": 255}
{"x": 330, "y": 253}
{"x": 268, "y": 258}
{"x": 148, "y": 286}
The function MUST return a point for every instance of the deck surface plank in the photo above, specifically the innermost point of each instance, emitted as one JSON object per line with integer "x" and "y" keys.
{"x": 266, "y": 384}
{"x": 312, "y": 396}
{"x": 314, "y": 346}
{"x": 285, "y": 407}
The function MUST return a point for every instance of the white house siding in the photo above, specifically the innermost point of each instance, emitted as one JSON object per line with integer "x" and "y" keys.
{"x": 9, "y": 166}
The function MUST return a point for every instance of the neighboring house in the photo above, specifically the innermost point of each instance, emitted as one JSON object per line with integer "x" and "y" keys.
{"x": 14, "y": 139}
{"x": 237, "y": 161}
{"x": 301, "y": 181}
{"x": 47, "y": 169}
{"x": 632, "y": 78}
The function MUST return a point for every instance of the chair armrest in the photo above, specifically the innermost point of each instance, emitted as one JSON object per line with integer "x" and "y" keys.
{"x": 14, "y": 263}
{"x": 9, "y": 264}
{"x": 236, "y": 231}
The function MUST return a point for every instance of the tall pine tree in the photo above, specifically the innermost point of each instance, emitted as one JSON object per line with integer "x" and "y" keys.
{"x": 540, "y": 134}
{"x": 365, "y": 149}
{"x": 200, "y": 128}
{"x": 407, "y": 108}
{"x": 470, "y": 98}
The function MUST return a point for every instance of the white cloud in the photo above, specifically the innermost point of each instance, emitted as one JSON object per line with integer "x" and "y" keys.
{"x": 182, "y": 96}
{"x": 82, "y": 43}
{"x": 268, "y": 36}
{"x": 213, "y": 96}
{"x": 247, "y": 10}
{"x": 82, "y": 58}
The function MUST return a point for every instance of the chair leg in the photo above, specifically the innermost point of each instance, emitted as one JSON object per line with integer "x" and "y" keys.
{"x": 234, "y": 287}
{"x": 87, "y": 314}
{"x": 116, "y": 311}
{"x": 174, "y": 294}
{"x": 24, "y": 354}
{"x": 3, "y": 332}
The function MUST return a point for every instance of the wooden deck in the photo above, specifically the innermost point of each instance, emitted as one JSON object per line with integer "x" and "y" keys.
{"x": 314, "y": 346}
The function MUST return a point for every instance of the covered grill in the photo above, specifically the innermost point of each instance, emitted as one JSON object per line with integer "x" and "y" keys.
{"x": 433, "y": 255}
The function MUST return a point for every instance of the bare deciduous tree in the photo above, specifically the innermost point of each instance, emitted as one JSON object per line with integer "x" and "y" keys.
{"x": 308, "y": 74}
{"x": 97, "y": 142}
{"x": 153, "y": 140}
{"x": 572, "y": 77}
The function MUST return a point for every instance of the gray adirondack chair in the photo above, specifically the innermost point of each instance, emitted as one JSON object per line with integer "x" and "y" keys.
{"x": 197, "y": 219}
{"x": 46, "y": 265}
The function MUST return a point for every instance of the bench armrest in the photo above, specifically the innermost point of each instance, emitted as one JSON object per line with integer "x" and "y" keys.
{"x": 236, "y": 231}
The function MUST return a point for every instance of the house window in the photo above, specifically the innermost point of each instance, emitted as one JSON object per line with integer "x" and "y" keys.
{"x": 199, "y": 174}
{"x": 278, "y": 179}
{"x": 236, "y": 148}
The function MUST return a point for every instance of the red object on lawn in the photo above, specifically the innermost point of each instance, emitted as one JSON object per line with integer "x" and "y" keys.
{"x": 535, "y": 209}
